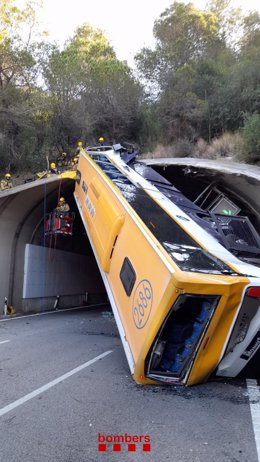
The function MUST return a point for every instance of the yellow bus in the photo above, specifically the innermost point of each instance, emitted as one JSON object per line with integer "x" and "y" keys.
{"x": 186, "y": 305}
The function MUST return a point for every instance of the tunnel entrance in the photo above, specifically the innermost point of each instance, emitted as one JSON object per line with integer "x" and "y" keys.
{"x": 60, "y": 270}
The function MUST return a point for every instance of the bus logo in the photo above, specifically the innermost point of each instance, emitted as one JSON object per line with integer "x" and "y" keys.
{"x": 142, "y": 303}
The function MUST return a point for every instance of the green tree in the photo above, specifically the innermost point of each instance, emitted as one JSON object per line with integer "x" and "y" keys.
{"x": 215, "y": 83}
{"x": 230, "y": 20}
{"x": 186, "y": 37}
{"x": 251, "y": 138}
{"x": 19, "y": 72}
{"x": 93, "y": 92}
{"x": 180, "y": 109}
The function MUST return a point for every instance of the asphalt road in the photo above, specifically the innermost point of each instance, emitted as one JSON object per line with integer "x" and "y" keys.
{"x": 45, "y": 420}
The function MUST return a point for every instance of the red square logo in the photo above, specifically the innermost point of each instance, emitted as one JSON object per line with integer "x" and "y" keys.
{"x": 117, "y": 447}
{"x": 102, "y": 447}
{"x": 147, "y": 447}
{"x": 132, "y": 447}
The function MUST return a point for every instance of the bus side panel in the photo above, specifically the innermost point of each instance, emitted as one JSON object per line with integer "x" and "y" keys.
{"x": 105, "y": 214}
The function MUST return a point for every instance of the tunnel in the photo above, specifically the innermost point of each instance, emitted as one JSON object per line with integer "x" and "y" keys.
{"x": 39, "y": 271}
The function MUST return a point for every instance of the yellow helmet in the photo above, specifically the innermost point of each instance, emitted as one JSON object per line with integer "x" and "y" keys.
{"x": 80, "y": 144}
{"x": 64, "y": 154}
{"x": 53, "y": 165}
{"x": 62, "y": 199}
{"x": 7, "y": 175}
{"x": 101, "y": 139}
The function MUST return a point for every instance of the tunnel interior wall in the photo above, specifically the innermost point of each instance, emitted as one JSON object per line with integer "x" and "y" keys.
{"x": 51, "y": 273}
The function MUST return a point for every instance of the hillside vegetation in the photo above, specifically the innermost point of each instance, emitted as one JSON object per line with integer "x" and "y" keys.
{"x": 196, "y": 93}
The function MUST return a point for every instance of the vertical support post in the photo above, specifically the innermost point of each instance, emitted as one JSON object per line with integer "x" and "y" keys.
{"x": 55, "y": 306}
{"x": 5, "y": 307}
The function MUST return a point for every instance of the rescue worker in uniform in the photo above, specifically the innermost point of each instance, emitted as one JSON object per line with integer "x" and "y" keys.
{"x": 101, "y": 141}
{"x": 79, "y": 147}
{"x": 47, "y": 173}
{"x": 62, "y": 160}
{"x": 76, "y": 158}
{"x": 53, "y": 168}
{"x": 62, "y": 211}
{"x": 74, "y": 163}
{"x": 62, "y": 206}
{"x": 6, "y": 182}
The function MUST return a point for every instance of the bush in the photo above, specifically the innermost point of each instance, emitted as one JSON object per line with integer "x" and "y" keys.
{"x": 180, "y": 148}
{"x": 201, "y": 149}
{"x": 228, "y": 145}
{"x": 251, "y": 139}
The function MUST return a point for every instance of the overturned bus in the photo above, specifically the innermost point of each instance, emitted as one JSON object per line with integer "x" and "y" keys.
{"x": 183, "y": 281}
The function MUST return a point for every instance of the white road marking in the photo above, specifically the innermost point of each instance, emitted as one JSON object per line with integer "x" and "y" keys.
{"x": 254, "y": 399}
{"x": 51, "y": 384}
{"x": 4, "y": 341}
{"x": 13, "y": 318}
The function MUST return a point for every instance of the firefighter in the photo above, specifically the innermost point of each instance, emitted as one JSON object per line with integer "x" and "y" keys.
{"x": 62, "y": 206}
{"x": 62, "y": 212}
{"x": 53, "y": 168}
{"x": 79, "y": 147}
{"x": 63, "y": 160}
{"x": 74, "y": 163}
{"x": 6, "y": 182}
{"x": 47, "y": 173}
{"x": 101, "y": 141}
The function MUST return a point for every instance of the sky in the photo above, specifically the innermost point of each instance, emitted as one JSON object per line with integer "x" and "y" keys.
{"x": 128, "y": 24}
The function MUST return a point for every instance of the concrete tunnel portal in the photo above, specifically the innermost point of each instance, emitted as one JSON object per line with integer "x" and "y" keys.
{"x": 35, "y": 268}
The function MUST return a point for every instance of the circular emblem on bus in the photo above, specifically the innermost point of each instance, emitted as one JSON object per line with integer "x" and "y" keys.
{"x": 142, "y": 303}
